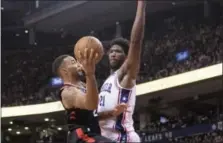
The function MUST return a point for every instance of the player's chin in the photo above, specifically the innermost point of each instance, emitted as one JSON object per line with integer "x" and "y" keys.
{"x": 81, "y": 76}
{"x": 79, "y": 68}
{"x": 113, "y": 62}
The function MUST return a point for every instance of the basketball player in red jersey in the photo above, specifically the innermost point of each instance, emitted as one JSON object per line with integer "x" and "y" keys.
{"x": 78, "y": 99}
{"x": 120, "y": 86}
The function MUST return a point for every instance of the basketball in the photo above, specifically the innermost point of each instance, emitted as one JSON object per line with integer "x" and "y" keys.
{"x": 89, "y": 42}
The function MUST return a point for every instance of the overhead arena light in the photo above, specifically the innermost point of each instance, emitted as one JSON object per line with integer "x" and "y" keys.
{"x": 46, "y": 119}
{"x": 59, "y": 128}
{"x": 18, "y": 132}
{"x": 26, "y": 128}
{"x": 9, "y": 129}
{"x": 11, "y": 122}
{"x": 26, "y": 31}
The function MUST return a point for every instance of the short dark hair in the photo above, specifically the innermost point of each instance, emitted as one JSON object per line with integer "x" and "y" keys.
{"x": 124, "y": 43}
{"x": 57, "y": 63}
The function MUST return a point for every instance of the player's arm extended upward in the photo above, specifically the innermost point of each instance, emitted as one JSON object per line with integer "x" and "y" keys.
{"x": 130, "y": 68}
{"x": 74, "y": 98}
{"x": 92, "y": 92}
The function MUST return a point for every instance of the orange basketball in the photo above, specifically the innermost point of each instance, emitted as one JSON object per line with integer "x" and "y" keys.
{"x": 89, "y": 42}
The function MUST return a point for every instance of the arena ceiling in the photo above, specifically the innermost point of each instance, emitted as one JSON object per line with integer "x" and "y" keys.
{"x": 93, "y": 15}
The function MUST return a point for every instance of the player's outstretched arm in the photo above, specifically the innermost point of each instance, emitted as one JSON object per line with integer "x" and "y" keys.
{"x": 105, "y": 115}
{"x": 131, "y": 66}
{"x": 91, "y": 92}
{"x": 88, "y": 61}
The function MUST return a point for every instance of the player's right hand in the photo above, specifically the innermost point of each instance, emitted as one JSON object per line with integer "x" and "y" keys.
{"x": 88, "y": 61}
{"x": 120, "y": 108}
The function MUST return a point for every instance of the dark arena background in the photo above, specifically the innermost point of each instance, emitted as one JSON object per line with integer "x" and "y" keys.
{"x": 179, "y": 87}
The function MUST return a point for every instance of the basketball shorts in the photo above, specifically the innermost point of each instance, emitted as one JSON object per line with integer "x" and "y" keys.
{"x": 79, "y": 135}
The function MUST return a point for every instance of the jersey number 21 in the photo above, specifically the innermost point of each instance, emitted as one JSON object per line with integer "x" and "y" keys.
{"x": 102, "y": 101}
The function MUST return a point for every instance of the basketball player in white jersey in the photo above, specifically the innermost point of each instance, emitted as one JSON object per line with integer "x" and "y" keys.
{"x": 120, "y": 87}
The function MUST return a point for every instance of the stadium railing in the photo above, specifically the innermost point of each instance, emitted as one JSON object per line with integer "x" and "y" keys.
{"x": 141, "y": 89}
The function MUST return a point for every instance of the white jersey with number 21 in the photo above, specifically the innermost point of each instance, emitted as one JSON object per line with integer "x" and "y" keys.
{"x": 118, "y": 128}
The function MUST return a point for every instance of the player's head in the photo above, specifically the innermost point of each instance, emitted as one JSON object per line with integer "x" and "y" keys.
{"x": 66, "y": 66}
{"x": 117, "y": 53}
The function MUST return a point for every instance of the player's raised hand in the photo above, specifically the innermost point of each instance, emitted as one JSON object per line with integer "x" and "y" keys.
{"x": 143, "y": 2}
{"x": 120, "y": 108}
{"x": 88, "y": 60}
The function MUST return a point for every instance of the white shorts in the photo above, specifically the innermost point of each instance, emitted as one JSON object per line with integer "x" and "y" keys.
{"x": 118, "y": 137}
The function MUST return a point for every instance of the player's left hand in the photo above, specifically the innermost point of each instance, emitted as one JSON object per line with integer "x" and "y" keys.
{"x": 120, "y": 108}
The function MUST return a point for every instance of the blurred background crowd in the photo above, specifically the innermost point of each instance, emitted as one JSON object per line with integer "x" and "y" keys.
{"x": 172, "y": 45}
{"x": 176, "y": 41}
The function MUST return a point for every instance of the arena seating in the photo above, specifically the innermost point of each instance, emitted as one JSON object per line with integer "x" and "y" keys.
{"x": 179, "y": 43}
{"x": 28, "y": 71}
{"x": 187, "y": 128}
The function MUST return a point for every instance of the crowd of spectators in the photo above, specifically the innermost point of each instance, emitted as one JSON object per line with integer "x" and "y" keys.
{"x": 182, "y": 121}
{"x": 213, "y": 137}
{"x": 203, "y": 43}
{"x": 194, "y": 121}
{"x": 27, "y": 72}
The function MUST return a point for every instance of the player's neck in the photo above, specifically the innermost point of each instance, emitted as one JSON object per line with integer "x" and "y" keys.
{"x": 115, "y": 68}
{"x": 71, "y": 81}
{"x": 112, "y": 71}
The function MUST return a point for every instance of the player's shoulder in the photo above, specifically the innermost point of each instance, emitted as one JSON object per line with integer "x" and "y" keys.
{"x": 109, "y": 79}
{"x": 70, "y": 90}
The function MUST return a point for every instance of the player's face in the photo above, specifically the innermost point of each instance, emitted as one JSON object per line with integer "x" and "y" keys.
{"x": 116, "y": 56}
{"x": 72, "y": 65}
